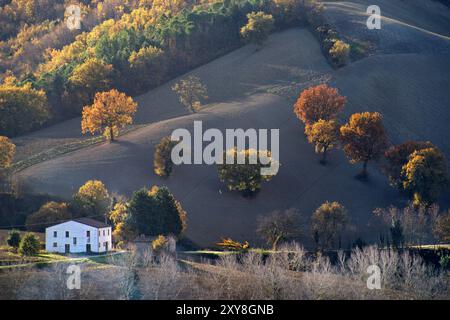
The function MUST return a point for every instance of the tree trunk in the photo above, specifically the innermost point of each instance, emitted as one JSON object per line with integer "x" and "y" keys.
{"x": 364, "y": 170}
{"x": 111, "y": 134}
{"x": 324, "y": 156}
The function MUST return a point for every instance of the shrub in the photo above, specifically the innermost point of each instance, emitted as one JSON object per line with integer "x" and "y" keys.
{"x": 258, "y": 27}
{"x": 162, "y": 162}
{"x": 29, "y": 245}
{"x": 13, "y": 239}
{"x": 340, "y": 53}
{"x": 21, "y": 109}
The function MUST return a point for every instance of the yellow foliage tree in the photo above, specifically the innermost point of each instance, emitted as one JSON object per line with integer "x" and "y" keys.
{"x": 110, "y": 111}
{"x": 7, "y": 150}
{"x": 340, "y": 53}
{"x": 258, "y": 27}
{"x": 90, "y": 77}
{"x": 324, "y": 135}
{"x": 92, "y": 199}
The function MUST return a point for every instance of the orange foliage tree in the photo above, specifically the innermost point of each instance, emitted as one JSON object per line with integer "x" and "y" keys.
{"x": 364, "y": 138}
{"x": 319, "y": 102}
{"x": 110, "y": 111}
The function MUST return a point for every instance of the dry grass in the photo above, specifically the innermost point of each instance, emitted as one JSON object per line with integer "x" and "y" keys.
{"x": 289, "y": 274}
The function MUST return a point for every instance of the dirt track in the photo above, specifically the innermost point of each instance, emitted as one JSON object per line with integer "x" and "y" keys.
{"x": 409, "y": 87}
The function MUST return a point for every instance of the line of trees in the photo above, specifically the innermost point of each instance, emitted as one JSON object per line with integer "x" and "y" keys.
{"x": 419, "y": 169}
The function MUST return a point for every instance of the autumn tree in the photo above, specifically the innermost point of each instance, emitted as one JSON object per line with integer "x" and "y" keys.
{"x": 110, "y": 111}
{"x": 318, "y": 103}
{"x": 162, "y": 162}
{"x": 425, "y": 175}
{"x": 90, "y": 77}
{"x": 280, "y": 226}
{"x": 442, "y": 227}
{"x": 364, "y": 139}
{"x": 340, "y": 53}
{"x": 191, "y": 92}
{"x": 245, "y": 177}
{"x": 397, "y": 156}
{"x": 49, "y": 214}
{"x": 328, "y": 224}
{"x": 258, "y": 27}
{"x": 324, "y": 135}
{"x": 22, "y": 109}
{"x": 7, "y": 151}
{"x": 92, "y": 199}
{"x": 148, "y": 66}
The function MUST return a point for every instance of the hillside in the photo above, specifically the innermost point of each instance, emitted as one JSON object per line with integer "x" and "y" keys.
{"x": 405, "y": 77}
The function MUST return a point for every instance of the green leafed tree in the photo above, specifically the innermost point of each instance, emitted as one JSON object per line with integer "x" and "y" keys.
{"x": 29, "y": 245}
{"x": 13, "y": 239}
{"x": 156, "y": 212}
{"x": 246, "y": 177}
{"x": 324, "y": 135}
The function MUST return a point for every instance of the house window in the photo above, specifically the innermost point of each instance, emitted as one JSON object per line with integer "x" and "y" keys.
{"x": 99, "y": 233}
{"x": 74, "y": 240}
{"x": 88, "y": 233}
{"x": 55, "y": 234}
{"x": 108, "y": 232}
{"x": 103, "y": 232}
{"x": 67, "y": 234}
{"x": 99, "y": 245}
{"x": 55, "y": 244}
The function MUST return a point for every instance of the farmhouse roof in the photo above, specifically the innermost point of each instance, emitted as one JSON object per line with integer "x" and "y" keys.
{"x": 91, "y": 222}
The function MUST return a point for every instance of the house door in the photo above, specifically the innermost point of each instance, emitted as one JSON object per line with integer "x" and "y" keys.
{"x": 106, "y": 246}
{"x": 67, "y": 248}
{"x": 88, "y": 248}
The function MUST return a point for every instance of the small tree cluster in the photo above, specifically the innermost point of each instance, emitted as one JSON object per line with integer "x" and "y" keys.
{"x": 155, "y": 212}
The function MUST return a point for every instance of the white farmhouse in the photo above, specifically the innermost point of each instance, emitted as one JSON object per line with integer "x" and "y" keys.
{"x": 78, "y": 236}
